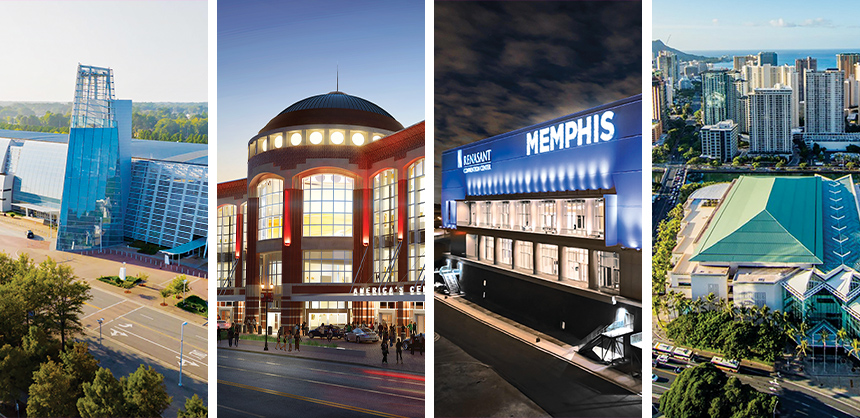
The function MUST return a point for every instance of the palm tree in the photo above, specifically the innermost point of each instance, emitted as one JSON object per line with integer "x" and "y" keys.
{"x": 855, "y": 348}
{"x": 802, "y": 348}
{"x": 657, "y": 305}
{"x": 841, "y": 337}
{"x": 710, "y": 299}
{"x": 824, "y": 334}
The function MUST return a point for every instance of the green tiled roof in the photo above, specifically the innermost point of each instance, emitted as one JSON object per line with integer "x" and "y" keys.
{"x": 766, "y": 220}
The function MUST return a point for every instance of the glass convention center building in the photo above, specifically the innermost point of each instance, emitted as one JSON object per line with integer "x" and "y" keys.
{"x": 99, "y": 184}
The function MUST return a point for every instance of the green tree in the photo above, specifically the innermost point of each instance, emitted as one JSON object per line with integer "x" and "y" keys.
{"x": 53, "y": 392}
{"x": 165, "y": 293}
{"x": 194, "y": 408}
{"x": 65, "y": 298}
{"x": 145, "y": 393}
{"x": 17, "y": 373}
{"x": 180, "y": 284}
{"x": 103, "y": 397}
{"x": 79, "y": 364}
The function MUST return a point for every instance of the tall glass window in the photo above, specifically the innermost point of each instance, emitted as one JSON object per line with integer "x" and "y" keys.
{"x": 607, "y": 270}
{"x": 415, "y": 201}
{"x": 505, "y": 215}
{"x": 524, "y": 215}
{"x": 327, "y": 266}
{"x": 489, "y": 248}
{"x": 574, "y": 217}
{"x": 506, "y": 251}
{"x": 385, "y": 244}
{"x": 327, "y": 205}
{"x": 526, "y": 256}
{"x": 270, "y": 269}
{"x": 598, "y": 217}
{"x": 576, "y": 264}
{"x": 547, "y": 215}
{"x": 271, "y": 200}
{"x": 487, "y": 214}
{"x": 226, "y": 241}
{"x": 548, "y": 259}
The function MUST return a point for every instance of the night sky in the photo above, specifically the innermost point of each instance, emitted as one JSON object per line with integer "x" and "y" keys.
{"x": 504, "y": 66}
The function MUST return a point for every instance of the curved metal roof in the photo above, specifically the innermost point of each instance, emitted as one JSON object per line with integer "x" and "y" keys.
{"x": 336, "y": 100}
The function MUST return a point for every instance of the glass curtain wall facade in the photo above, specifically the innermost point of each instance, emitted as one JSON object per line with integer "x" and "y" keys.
{"x": 167, "y": 203}
{"x": 271, "y": 212}
{"x": 226, "y": 234}
{"x": 327, "y": 205}
{"x": 385, "y": 243}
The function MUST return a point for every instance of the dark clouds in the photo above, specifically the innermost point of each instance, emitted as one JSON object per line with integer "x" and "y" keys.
{"x": 502, "y": 66}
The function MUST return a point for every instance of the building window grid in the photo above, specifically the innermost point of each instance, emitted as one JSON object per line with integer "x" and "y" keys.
{"x": 328, "y": 266}
{"x": 486, "y": 214}
{"x": 548, "y": 216}
{"x": 506, "y": 251}
{"x": 489, "y": 248}
{"x": 271, "y": 209}
{"x": 525, "y": 250}
{"x": 609, "y": 274}
{"x": 504, "y": 215}
{"x": 385, "y": 226}
{"x": 327, "y": 205}
{"x": 577, "y": 264}
{"x": 226, "y": 235}
{"x": 524, "y": 214}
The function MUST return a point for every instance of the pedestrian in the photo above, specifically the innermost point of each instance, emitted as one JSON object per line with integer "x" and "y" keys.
{"x": 298, "y": 338}
{"x": 290, "y": 339}
{"x": 230, "y": 336}
{"x": 236, "y": 337}
{"x": 421, "y": 347}
{"x": 305, "y": 328}
{"x": 412, "y": 342}
{"x": 399, "y": 351}
{"x": 278, "y": 343}
{"x": 329, "y": 333}
{"x": 384, "y": 352}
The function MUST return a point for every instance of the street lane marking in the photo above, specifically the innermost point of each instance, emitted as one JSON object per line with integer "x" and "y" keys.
{"x": 147, "y": 317}
{"x": 393, "y": 380}
{"x": 155, "y": 343}
{"x": 161, "y": 333}
{"x": 240, "y": 411}
{"x": 100, "y": 309}
{"x": 313, "y": 400}
{"x": 323, "y": 383}
{"x": 139, "y": 307}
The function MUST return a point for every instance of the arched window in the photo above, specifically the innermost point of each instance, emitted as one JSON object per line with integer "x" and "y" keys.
{"x": 271, "y": 201}
{"x": 416, "y": 197}
{"x": 327, "y": 205}
{"x": 385, "y": 244}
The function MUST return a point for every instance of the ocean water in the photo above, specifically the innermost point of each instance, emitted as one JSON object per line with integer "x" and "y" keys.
{"x": 826, "y": 57}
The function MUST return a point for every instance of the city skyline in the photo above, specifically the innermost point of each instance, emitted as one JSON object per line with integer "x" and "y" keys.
{"x": 375, "y": 52}
{"x": 790, "y": 24}
{"x": 158, "y": 50}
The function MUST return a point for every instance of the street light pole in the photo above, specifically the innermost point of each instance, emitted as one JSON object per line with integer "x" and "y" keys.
{"x": 101, "y": 320}
{"x": 181, "y": 343}
{"x": 184, "y": 287}
{"x": 265, "y": 298}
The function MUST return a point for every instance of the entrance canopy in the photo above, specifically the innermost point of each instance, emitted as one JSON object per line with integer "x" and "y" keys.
{"x": 184, "y": 248}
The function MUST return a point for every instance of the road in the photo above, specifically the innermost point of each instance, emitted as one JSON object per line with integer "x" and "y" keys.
{"x": 145, "y": 330}
{"x": 667, "y": 197}
{"x": 260, "y": 385}
{"x": 556, "y": 386}
{"x": 794, "y": 400}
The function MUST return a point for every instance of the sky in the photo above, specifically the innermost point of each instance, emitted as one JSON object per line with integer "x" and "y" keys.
{"x": 504, "y": 66}
{"x": 265, "y": 64}
{"x": 707, "y": 25}
{"x": 157, "y": 49}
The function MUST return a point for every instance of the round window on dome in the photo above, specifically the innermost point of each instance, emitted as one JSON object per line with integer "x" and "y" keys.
{"x": 296, "y": 139}
{"x": 376, "y": 137}
{"x": 279, "y": 141}
{"x": 358, "y": 138}
{"x": 316, "y": 138}
{"x": 337, "y": 138}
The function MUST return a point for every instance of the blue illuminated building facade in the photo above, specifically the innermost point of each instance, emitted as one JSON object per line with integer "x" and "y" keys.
{"x": 546, "y": 223}
{"x": 101, "y": 186}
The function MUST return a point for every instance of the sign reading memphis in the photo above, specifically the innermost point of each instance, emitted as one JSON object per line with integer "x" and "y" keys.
{"x": 571, "y": 133}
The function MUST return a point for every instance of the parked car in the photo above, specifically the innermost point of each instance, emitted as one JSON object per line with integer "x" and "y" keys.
{"x": 30, "y": 234}
{"x": 361, "y": 334}
{"x": 322, "y": 331}
{"x": 222, "y": 324}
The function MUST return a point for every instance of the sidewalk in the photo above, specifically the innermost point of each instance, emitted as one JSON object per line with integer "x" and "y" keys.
{"x": 366, "y": 354}
{"x": 547, "y": 343}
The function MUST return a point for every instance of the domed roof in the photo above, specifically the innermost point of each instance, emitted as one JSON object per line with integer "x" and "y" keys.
{"x": 334, "y": 108}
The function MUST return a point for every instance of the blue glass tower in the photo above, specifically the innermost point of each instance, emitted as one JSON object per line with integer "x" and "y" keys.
{"x": 91, "y": 211}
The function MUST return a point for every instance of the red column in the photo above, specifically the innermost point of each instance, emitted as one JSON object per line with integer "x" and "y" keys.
{"x": 291, "y": 256}
{"x": 252, "y": 282}
{"x": 238, "y": 273}
{"x": 403, "y": 255}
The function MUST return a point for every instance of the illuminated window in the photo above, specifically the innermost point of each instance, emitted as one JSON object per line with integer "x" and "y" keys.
{"x": 327, "y": 205}
{"x": 487, "y": 214}
{"x": 271, "y": 213}
{"x": 576, "y": 264}
{"x": 244, "y": 243}
{"x": 547, "y": 215}
{"x": 489, "y": 249}
{"x": 270, "y": 270}
{"x": 548, "y": 259}
{"x": 226, "y": 233}
{"x": 506, "y": 251}
{"x": 416, "y": 198}
{"x": 279, "y": 141}
{"x": 376, "y": 137}
{"x": 264, "y": 144}
{"x": 316, "y": 138}
{"x": 385, "y": 243}
{"x": 526, "y": 256}
{"x": 598, "y": 217}
{"x": 327, "y": 267}
{"x": 504, "y": 215}
{"x": 296, "y": 138}
{"x": 358, "y": 138}
{"x": 607, "y": 270}
{"x": 524, "y": 215}
{"x": 337, "y": 138}
{"x": 252, "y": 149}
